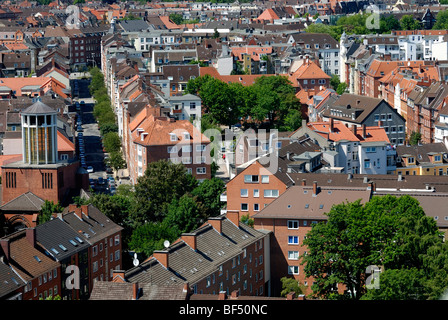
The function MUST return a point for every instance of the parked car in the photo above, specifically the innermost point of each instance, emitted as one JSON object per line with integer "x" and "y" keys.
{"x": 109, "y": 170}
{"x": 101, "y": 180}
{"x": 90, "y": 169}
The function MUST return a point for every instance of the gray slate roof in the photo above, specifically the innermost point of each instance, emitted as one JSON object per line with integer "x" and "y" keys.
{"x": 25, "y": 202}
{"x": 39, "y": 108}
{"x": 54, "y": 234}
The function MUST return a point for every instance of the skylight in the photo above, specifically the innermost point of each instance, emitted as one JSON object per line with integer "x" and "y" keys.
{"x": 62, "y": 247}
{"x": 55, "y": 251}
{"x": 79, "y": 239}
{"x": 73, "y": 242}
{"x": 37, "y": 259}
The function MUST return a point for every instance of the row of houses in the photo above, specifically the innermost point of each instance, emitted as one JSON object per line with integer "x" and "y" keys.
{"x": 62, "y": 257}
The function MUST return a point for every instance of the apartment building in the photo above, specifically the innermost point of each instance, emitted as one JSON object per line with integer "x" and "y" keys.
{"x": 422, "y": 159}
{"x": 360, "y": 110}
{"x": 290, "y": 217}
{"x": 34, "y": 274}
{"x": 155, "y": 138}
{"x": 352, "y": 150}
{"x": 104, "y": 239}
{"x": 221, "y": 255}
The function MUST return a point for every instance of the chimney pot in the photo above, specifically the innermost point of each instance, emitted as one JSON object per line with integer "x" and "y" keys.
{"x": 134, "y": 291}
{"x": 31, "y": 236}
{"x": 216, "y": 223}
{"x": 235, "y": 294}
{"x": 6, "y": 246}
{"x": 314, "y": 188}
{"x": 190, "y": 240}
{"x": 303, "y": 182}
{"x": 162, "y": 257}
{"x": 234, "y": 217}
{"x": 290, "y": 296}
{"x": 222, "y": 295}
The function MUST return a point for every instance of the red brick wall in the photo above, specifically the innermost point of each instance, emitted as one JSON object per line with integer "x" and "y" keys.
{"x": 230, "y": 270}
{"x": 43, "y": 287}
{"x": 234, "y": 199}
{"x": 30, "y": 179}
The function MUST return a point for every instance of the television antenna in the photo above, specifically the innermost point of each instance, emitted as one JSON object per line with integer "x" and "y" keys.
{"x": 166, "y": 243}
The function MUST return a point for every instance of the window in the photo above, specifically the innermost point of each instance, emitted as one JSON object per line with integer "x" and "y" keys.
{"x": 117, "y": 255}
{"x": 250, "y": 178}
{"x": 264, "y": 179}
{"x": 201, "y": 170}
{"x": 256, "y": 207}
{"x": 256, "y": 193}
{"x": 172, "y": 149}
{"x": 268, "y": 193}
{"x": 293, "y": 270}
{"x": 293, "y": 255}
{"x": 117, "y": 240}
{"x": 200, "y": 147}
{"x": 244, "y": 193}
{"x": 293, "y": 224}
{"x": 293, "y": 240}
{"x": 173, "y": 137}
{"x": 367, "y": 163}
{"x": 244, "y": 207}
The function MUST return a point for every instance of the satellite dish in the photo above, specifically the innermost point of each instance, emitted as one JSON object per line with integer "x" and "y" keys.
{"x": 135, "y": 261}
{"x": 166, "y": 243}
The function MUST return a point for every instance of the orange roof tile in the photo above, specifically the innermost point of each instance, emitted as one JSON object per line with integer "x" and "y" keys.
{"x": 254, "y": 52}
{"x": 158, "y": 131}
{"x": 168, "y": 23}
{"x": 64, "y": 144}
{"x": 268, "y": 14}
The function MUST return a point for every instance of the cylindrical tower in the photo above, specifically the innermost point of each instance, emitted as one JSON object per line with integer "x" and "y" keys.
{"x": 39, "y": 134}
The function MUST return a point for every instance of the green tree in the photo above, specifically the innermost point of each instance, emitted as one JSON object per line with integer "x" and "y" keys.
{"x": 151, "y": 236}
{"x": 112, "y": 142}
{"x": 392, "y": 232}
{"x": 209, "y": 193}
{"x": 246, "y": 219}
{"x": 290, "y": 285}
{"x": 216, "y": 34}
{"x": 185, "y": 214}
{"x": 341, "y": 88}
{"x": 176, "y": 18}
{"x": 334, "y": 81}
{"x": 108, "y": 127}
{"x": 161, "y": 183}
{"x": 116, "y": 160}
{"x": 47, "y": 210}
{"x": 389, "y": 23}
{"x": 407, "y": 22}
{"x": 415, "y": 138}
{"x": 441, "y": 20}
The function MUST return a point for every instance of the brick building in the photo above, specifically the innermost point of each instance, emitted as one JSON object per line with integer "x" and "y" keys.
{"x": 291, "y": 216}
{"x": 38, "y": 274}
{"x": 40, "y": 171}
{"x": 222, "y": 255}
{"x": 104, "y": 239}
{"x": 162, "y": 138}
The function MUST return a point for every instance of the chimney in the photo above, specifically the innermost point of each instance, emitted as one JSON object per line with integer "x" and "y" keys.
{"x": 216, "y": 223}
{"x": 6, "y": 246}
{"x": 314, "y": 188}
{"x": 118, "y": 276}
{"x": 350, "y": 176}
{"x": 190, "y": 240}
{"x": 290, "y": 296}
{"x": 162, "y": 257}
{"x": 301, "y": 297}
{"x": 331, "y": 125}
{"x": 222, "y": 295}
{"x": 85, "y": 209}
{"x": 233, "y": 216}
{"x": 135, "y": 291}
{"x": 235, "y": 294}
{"x": 354, "y": 129}
{"x": 72, "y": 207}
{"x": 303, "y": 182}
{"x": 364, "y": 132}
{"x": 380, "y": 123}
{"x": 31, "y": 236}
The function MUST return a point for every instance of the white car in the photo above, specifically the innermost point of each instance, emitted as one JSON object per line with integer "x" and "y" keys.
{"x": 89, "y": 169}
